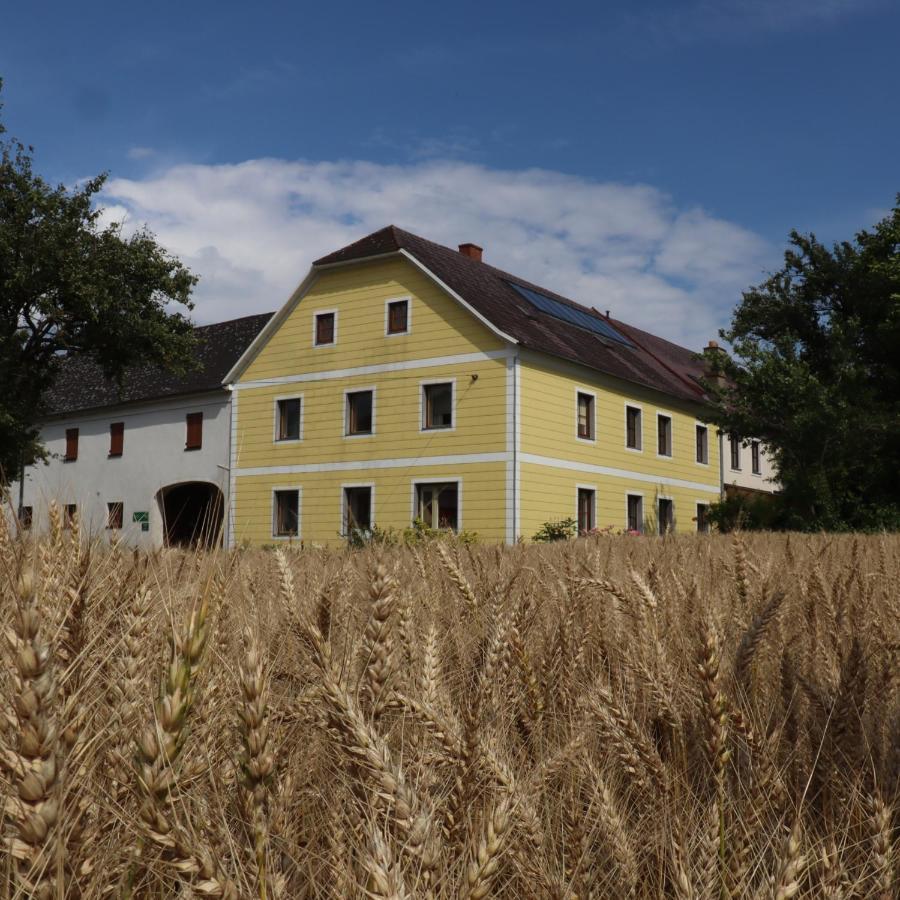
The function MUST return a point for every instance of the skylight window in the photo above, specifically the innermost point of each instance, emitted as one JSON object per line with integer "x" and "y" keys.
{"x": 571, "y": 314}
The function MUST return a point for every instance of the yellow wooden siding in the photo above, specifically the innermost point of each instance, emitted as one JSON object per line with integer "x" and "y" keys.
{"x": 440, "y": 326}
{"x": 482, "y": 505}
{"x": 479, "y": 417}
{"x": 548, "y": 401}
{"x": 549, "y": 494}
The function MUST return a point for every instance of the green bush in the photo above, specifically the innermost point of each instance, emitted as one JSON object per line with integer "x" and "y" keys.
{"x": 561, "y": 530}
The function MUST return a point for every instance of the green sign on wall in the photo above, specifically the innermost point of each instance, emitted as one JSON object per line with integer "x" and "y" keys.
{"x": 143, "y": 518}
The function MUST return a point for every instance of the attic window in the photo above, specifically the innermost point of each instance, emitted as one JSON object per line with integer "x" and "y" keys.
{"x": 572, "y": 314}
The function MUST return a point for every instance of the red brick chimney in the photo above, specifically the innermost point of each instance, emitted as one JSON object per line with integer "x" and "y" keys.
{"x": 473, "y": 251}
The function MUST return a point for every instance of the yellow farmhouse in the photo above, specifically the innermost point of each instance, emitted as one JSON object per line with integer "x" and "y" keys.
{"x": 405, "y": 380}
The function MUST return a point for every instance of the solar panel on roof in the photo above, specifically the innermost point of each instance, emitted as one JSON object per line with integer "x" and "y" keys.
{"x": 571, "y": 314}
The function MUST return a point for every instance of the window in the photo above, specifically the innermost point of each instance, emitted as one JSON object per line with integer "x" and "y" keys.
{"x": 357, "y": 509}
{"x": 666, "y": 515}
{"x": 702, "y": 518}
{"x": 635, "y": 513}
{"x": 702, "y": 444}
{"x": 116, "y": 438}
{"x": 664, "y": 433}
{"x": 633, "y": 428}
{"x": 586, "y": 510}
{"x": 754, "y": 458}
{"x": 115, "y": 515}
{"x": 437, "y": 405}
{"x": 70, "y": 513}
{"x": 735, "y": 445}
{"x": 437, "y": 505}
{"x": 398, "y": 317}
{"x": 585, "y": 416}
{"x": 287, "y": 426}
{"x": 325, "y": 328}
{"x": 286, "y": 513}
{"x": 71, "y": 445}
{"x": 359, "y": 412}
{"x": 26, "y": 517}
{"x": 194, "y": 438}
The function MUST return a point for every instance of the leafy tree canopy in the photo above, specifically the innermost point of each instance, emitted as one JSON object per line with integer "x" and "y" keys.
{"x": 70, "y": 286}
{"x": 816, "y": 375}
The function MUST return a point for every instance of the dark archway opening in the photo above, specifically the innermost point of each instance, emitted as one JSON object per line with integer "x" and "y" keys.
{"x": 192, "y": 514}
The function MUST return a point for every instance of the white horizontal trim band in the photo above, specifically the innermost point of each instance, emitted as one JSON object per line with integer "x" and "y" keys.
{"x": 616, "y": 473}
{"x": 376, "y": 369}
{"x": 459, "y": 459}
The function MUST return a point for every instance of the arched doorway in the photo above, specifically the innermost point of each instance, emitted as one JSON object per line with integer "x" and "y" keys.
{"x": 192, "y": 514}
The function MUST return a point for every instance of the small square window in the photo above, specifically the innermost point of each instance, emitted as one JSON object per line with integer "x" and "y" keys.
{"x": 360, "y": 406}
{"x": 586, "y": 510}
{"x": 398, "y": 317}
{"x": 437, "y": 505}
{"x": 666, "y": 515}
{"x": 633, "y": 429}
{"x": 115, "y": 515}
{"x": 70, "y": 513}
{"x": 702, "y": 444}
{"x": 71, "y": 445}
{"x": 288, "y": 425}
{"x": 585, "y": 416}
{"x": 194, "y": 431}
{"x": 635, "y": 513}
{"x": 664, "y": 430}
{"x": 754, "y": 458}
{"x": 437, "y": 406}
{"x": 26, "y": 517}
{"x": 324, "y": 328}
{"x": 357, "y": 509}
{"x": 286, "y": 514}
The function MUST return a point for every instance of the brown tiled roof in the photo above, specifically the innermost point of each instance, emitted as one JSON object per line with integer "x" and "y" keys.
{"x": 80, "y": 384}
{"x": 652, "y": 361}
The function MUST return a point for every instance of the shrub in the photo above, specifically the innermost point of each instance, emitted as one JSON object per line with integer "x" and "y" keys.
{"x": 560, "y": 530}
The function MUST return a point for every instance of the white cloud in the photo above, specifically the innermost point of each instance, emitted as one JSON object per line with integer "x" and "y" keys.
{"x": 251, "y": 230}
{"x": 140, "y": 152}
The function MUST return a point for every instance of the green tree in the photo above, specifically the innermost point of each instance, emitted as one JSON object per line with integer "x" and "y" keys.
{"x": 70, "y": 286}
{"x": 816, "y": 375}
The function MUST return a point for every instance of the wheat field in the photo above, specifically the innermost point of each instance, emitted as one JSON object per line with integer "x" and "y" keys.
{"x": 613, "y": 717}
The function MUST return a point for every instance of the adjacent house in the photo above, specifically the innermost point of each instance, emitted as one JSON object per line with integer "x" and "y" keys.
{"x": 404, "y": 380}
{"x": 147, "y": 462}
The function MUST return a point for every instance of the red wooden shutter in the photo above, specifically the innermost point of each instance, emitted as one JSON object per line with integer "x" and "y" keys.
{"x": 397, "y": 317}
{"x": 325, "y": 328}
{"x": 116, "y": 438}
{"x": 71, "y": 444}
{"x": 194, "y": 431}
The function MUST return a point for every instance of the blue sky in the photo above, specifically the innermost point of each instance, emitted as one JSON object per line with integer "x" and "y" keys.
{"x": 649, "y": 157}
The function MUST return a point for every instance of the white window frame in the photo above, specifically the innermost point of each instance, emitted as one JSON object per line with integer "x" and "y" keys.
{"x": 346, "y": 419}
{"x": 422, "y": 385}
{"x": 671, "y": 499}
{"x": 274, "y": 509}
{"x": 275, "y": 429}
{"x": 387, "y": 308}
{"x": 707, "y": 504}
{"x": 756, "y": 473}
{"x": 640, "y": 408}
{"x": 739, "y": 448}
{"x": 315, "y": 322}
{"x": 593, "y": 395}
{"x": 699, "y": 424}
{"x": 450, "y": 479}
{"x": 356, "y": 484}
{"x": 643, "y": 518}
{"x": 665, "y": 414}
{"x": 593, "y": 489}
